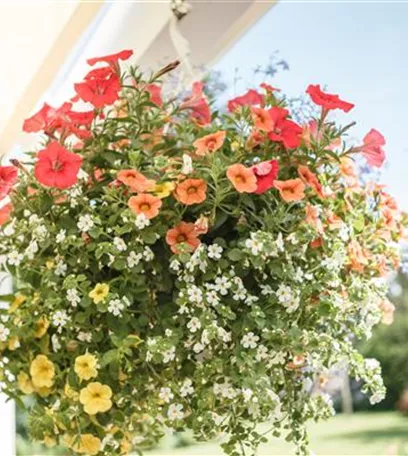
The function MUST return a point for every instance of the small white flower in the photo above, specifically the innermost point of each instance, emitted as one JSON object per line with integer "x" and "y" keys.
{"x": 186, "y": 388}
{"x": 61, "y": 236}
{"x": 168, "y": 332}
{"x": 266, "y": 290}
{"x": 133, "y": 259}
{"x": 376, "y": 397}
{"x": 224, "y": 390}
{"x": 254, "y": 246}
{"x": 212, "y": 297}
{"x": 31, "y": 250}
{"x": 15, "y": 258}
{"x": 120, "y": 244}
{"x": 9, "y": 229}
{"x": 142, "y": 221}
{"x": 60, "y": 319}
{"x": 40, "y": 232}
{"x": 198, "y": 347}
{"x": 115, "y": 307}
{"x": 224, "y": 335}
{"x": 195, "y": 294}
{"x": 166, "y": 395}
{"x": 85, "y": 223}
{"x": 175, "y": 412}
{"x": 292, "y": 305}
{"x": 82, "y": 175}
{"x": 344, "y": 233}
{"x": 169, "y": 355}
{"x": 187, "y": 167}
{"x": 250, "y": 340}
{"x": 56, "y": 346}
{"x": 85, "y": 337}
{"x": 215, "y": 251}
{"x": 261, "y": 353}
{"x": 4, "y": 333}
{"x": 73, "y": 297}
{"x": 247, "y": 393}
{"x": 175, "y": 265}
{"x": 279, "y": 243}
{"x": 61, "y": 268}
{"x": 222, "y": 285}
{"x": 194, "y": 325}
{"x": 148, "y": 254}
{"x": 284, "y": 293}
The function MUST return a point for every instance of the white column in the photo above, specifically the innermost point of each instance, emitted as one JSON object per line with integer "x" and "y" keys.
{"x": 7, "y": 409}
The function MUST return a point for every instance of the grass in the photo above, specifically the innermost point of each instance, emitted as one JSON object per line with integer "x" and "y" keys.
{"x": 375, "y": 434}
{"x": 380, "y": 433}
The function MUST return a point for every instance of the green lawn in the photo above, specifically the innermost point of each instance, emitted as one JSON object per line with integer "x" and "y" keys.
{"x": 381, "y": 433}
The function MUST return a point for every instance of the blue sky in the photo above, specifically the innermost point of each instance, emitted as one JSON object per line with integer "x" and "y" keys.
{"x": 358, "y": 50}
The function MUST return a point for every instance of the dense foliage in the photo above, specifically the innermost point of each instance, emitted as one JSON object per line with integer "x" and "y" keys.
{"x": 182, "y": 268}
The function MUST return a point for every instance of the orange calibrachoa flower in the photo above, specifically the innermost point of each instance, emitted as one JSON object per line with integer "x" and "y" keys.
{"x": 262, "y": 119}
{"x": 209, "y": 143}
{"x": 334, "y": 221}
{"x": 242, "y": 178}
{"x": 358, "y": 256}
{"x": 135, "y": 180}
{"x": 146, "y": 204}
{"x": 310, "y": 179}
{"x": 347, "y": 170}
{"x": 191, "y": 191}
{"x": 291, "y": 189}
{"x": 184, "y": 233}
{"x": 312, "y": 218}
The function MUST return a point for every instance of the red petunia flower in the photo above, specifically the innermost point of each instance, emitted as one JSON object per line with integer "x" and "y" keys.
{"x": 62, "y": 120}
{"x": 268, "y": 88}
{"x": 8, "y": 177}
{"x": 266, "y": 172}
{"x": 5, "y": 212}
{"x": 251, "y": 98}
{"x": 327, "y": 101}
{"x": 197, "y": 102}
{"x": 111, "y": 59}
{"x": 101, "y": 87}
{"x": 155, "y": 94}
{"x": 57, "y": 167}
{"x": 40, "y": 120}
{"x": 372, "y": 148}
{"x": 284, "y": 130}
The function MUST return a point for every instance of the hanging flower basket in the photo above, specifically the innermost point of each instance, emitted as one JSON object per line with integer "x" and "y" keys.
{"x": 175, "y": 266}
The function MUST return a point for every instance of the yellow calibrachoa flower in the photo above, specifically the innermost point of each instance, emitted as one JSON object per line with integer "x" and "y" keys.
{"x": 164, "y": 190}
{"x": 49, "y": 441}
{"x": 13, "y": 343}
{"x": 43, "y": 391}
{"x": 99, "y": 293}
{"x": 49, "y": 264}
{"x": 24, "y": 383}
{"x": 87, "y": 443}
{"x": 42, "y": 372}
{"x": 85, "y": 366}
{"x": 96, "y": 398}
{"x": 41, "y": 327}
{"x": 125, "y": 446}
{"x": 70, "y": 392}
{"x": 18, "y": 300}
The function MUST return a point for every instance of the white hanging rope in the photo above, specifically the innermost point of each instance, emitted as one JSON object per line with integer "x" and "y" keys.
{"x": 182, "y": 47}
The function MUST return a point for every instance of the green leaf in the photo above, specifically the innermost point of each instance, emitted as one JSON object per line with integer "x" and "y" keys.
{"x": 109, "y": 357}
{"x": 236, "y": 254}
